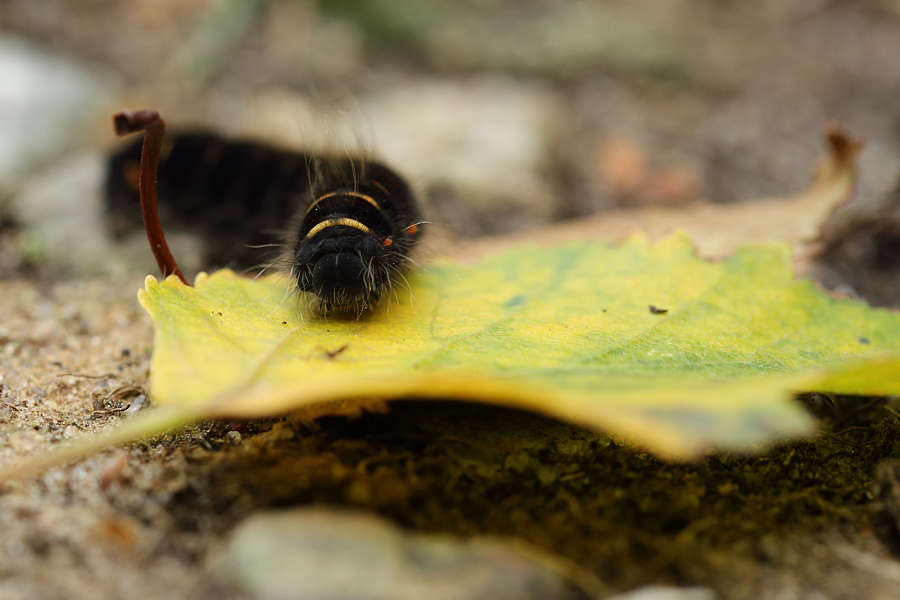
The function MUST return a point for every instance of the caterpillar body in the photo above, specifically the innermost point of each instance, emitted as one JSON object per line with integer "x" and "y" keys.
{"x": 345, "y": 225}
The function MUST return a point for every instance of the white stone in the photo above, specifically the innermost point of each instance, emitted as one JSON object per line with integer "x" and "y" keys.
{"x": 44, "y": 99}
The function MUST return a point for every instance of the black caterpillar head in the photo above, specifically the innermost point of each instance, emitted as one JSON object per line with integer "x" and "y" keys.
{"x": 352, "y": 243}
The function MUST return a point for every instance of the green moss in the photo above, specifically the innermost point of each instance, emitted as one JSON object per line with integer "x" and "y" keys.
{"x": 625, "y": 516}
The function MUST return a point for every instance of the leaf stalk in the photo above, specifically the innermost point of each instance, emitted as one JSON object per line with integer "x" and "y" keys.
{"x": 154, "y": 126}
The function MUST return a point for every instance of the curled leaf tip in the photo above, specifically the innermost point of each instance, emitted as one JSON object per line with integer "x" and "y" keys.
{"x": 844, "y": 147}
{"x": 132, "y": 121}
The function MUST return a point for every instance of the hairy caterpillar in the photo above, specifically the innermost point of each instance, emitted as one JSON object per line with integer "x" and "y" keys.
{"x": 345, "y": 225}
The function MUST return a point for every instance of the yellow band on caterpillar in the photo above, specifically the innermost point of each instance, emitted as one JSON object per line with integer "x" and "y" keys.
{"x": 342, "y": 221}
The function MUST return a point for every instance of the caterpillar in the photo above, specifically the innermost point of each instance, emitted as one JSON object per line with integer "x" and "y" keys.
{"x": 345, "y": 225}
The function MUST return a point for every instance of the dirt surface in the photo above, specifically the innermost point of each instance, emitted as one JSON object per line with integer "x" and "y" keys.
{"x": 692, "y": 100}
{"x": 139, "y": 521}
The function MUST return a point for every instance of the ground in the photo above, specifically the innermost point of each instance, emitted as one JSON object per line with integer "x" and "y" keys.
{"x": 140, "y": 521}
{"x": 707, "y": 100}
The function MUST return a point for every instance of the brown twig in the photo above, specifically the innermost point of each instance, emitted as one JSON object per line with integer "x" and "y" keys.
{"x": 150, "y": 122}
{"x": 104, "y": 376}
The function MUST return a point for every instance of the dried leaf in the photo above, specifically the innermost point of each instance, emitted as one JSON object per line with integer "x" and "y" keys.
{"x": 717, "y": 230}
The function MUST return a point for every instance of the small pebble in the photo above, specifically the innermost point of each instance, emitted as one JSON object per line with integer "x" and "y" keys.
{"x": 137, "y": 404}
{"x": 314, "y": 553}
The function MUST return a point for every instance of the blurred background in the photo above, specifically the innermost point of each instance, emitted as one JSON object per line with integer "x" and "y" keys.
{"x": 505, "y": 114}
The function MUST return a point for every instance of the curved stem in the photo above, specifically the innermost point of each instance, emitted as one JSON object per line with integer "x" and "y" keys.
{"x": 150, "y": 122}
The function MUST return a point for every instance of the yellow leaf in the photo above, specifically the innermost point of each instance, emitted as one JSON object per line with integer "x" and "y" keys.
{"x": 566, "y": 332}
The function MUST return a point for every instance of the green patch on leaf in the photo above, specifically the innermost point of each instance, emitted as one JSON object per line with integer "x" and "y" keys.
{"x": 566, "y": 332}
